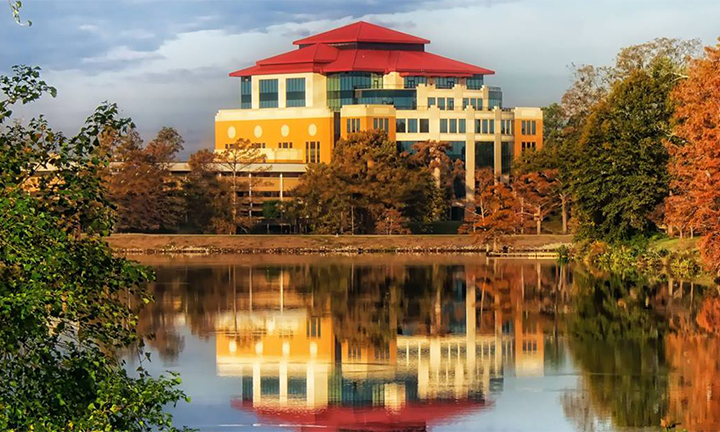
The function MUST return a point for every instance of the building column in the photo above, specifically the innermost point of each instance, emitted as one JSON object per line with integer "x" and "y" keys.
{"x": 470, "y": 160}
{"x": 497, "y": 145}
{"x": 282, "y": 187}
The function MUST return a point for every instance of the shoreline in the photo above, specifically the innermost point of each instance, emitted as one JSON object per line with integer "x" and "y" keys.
{"x": 209, "y": 244}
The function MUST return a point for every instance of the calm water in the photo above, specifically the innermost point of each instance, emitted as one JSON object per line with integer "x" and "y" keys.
{"x": 441, "y": 343}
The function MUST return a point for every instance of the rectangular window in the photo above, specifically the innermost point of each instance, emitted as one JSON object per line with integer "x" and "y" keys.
{"x": 354, "y": 352}
{"x": 453, "y": 125}
{"x": 412, "y": 82}
{"x": 381, "y": 124}
{"x": 431, "y": 102}
{"x": 412, "y": 125}
{"x": 475, "y": 83}
{"x": 451, "y": 103}
{"x": 478, "y": 126}
{"x": 441, "y": 103}
{"x": 353, "y": 125}
{"x": 295, "y": 92}
{"x": 268, "y": 93}
{"x": 492, "y": 126}
{"x": 424, "y": 125}
{"x": 312, "y": 152}
{"x": 524, "y": 127}
{"x": 285, "y": 145}
{"x": 400, "y": 125}
{"x": 314, "y": 329}
{"x": 534, "y": 130}
{"x": 443, "y": 125}
{"x": 246, "y": 92}
{"x": 485, "y": 127}
{"x": 445, "y": 82}
{"x": 461, "y": 126}
{"x": 466, "y": 102}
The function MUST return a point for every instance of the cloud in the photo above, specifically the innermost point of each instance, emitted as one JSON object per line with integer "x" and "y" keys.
{"x": 170, "y": 67}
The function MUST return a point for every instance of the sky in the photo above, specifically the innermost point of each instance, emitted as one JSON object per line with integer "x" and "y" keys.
{"x": 166, "y": 62}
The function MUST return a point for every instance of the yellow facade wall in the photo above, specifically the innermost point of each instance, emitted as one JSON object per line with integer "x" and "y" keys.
{"x": 272, "y": 132}
{"x": 537, "y": 138}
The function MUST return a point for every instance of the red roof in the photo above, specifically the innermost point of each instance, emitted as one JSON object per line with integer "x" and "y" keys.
{"x": 362, "y": 31}
{"x": 316, "y": 54}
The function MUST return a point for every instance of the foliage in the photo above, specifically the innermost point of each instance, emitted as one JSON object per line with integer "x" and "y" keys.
{"x": 539, "y": 192}
{"x": 498, "y": 212}
{"x": 66, "y": 303}
{"x": 239, "y": 158}
{"x": 142, "y": 187}
{"x": 367, "y": 175}
{"x": 391, "y": 222}
{"x": 619, "y": 174}
{"x": 695, "y": 158}
{"x": 207, "y": 197}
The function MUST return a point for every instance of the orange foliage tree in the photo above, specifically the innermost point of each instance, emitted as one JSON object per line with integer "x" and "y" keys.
{"x": 539, "y": 192}
{"x": 695, "y": 156}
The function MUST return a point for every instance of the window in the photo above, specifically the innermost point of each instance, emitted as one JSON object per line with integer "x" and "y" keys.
{"x": 354, "y": 352}
{"x": 295, "y": 92}
{"x": 285, "y": 145}
{"x": 246, "y": 92}
{"x": 424, "y": 125}
{"x": 441, "y": 103}
{"x": 466, "y": 102}
{"x": 445, "y": 82}
{"x": 534, "y": 130}
{"x": 443, "y": 125}
{"x": 451, "y": 103}
{"x": 314, "y": 328}
{"x": 461, "y": 125}
{"x": 268, "y": 93}
{"x": 412, "y": 125}
{"x": 353, "y": 125}
{"x": 431, "y": 102}
{"x": 492, "y": 126}
{"x": 381, "y": 124}
{"x": 312, "y": 152}
{"x": 413, "y": 81}
{"x": 506, "y": 127}
{"x": 475, "y": 83}
{"x": 258, "y": 145}
{"x": 530, "y": 145}
{"x": 453, "y": 125}
{"x": 400, "y": 125}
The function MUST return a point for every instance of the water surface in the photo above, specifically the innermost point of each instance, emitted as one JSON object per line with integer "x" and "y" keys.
{"x": 433, "y": 342}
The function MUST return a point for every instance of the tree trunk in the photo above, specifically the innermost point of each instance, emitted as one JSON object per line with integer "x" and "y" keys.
{"x": 234, "y": 201}
{"x": 563, "y": 202}
{"x": 522, "y": 215}
{"x": 538, "y": 221}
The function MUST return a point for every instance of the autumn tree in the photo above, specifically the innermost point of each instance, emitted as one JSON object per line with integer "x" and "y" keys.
{"x": 539, "y": 192}
{"x": 695, "y": 155}
{"x": 390, "y": 222}
{"x": 208, "y": 197}
{"x": 432, "y": 155}
{"x": 619, "y": 172}
{"x": 239, "y": 160}
{"x": 366, "y": 176}
{"x": 146, "y": 194}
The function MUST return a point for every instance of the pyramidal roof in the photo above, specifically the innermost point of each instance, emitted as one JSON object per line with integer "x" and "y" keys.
{"x": 362, "y": 31}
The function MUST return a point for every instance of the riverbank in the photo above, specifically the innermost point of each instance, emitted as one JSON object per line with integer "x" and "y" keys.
{"x": 305, "y": 244}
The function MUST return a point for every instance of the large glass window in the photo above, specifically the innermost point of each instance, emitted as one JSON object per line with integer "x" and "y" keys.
{"x": 381, "y": 124}
{"x": 295, "y": 92}
{"x": 412, "y": 125}
{"x": 461, "y": 125}
{"x": 424, "y": 125}
{"x": 534, "y": 129}
{"x": 445, "y": 82}
{"x": 475, "y": 83}
{"x": 453, "y": 125}
{"x": 341, "y": 88}
{"x": 268, "y": 93}
{"x": 246, "y": 92}
{"x": 353, "y": 125}
{"x": 495, "y": 97}
{"x": 484, "y": 154}
{"x": 400, "y": 125}
{"x": 443, "y": 125}
{"x": 441, "y": 103}
{"x": 506, "y": 151}
{"x": 411, "y": 82}
{"x": 431, "y": 102}
{"x": 450, "y": 103}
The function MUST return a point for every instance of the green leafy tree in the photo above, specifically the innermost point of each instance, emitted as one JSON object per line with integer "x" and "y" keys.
{"x": 619, "y": 172}
{"x": 68, "y": 306}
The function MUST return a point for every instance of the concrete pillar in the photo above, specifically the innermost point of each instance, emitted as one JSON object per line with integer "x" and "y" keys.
{"x": 282, "y": 187}
{"x": 470, "y": 159}
{"x": 497, "y": 145}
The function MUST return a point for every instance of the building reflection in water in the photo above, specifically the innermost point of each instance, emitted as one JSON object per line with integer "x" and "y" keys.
{"x": 439, "y": 356}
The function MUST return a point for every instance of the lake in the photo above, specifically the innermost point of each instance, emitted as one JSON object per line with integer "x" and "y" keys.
{"x": 429, "y": 342}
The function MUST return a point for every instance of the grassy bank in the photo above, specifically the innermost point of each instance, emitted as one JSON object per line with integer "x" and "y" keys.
{"x": 298, "y": 244}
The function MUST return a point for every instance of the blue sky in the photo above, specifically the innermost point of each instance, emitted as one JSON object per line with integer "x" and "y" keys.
{"x": 165, "y": 62}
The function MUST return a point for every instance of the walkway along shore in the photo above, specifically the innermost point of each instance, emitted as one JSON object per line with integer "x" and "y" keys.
{"x": 309, "y": 244}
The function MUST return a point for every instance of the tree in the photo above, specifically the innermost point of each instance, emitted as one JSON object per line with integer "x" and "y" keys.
{"x": 240, "y": 158}
{"x": 15, "y": 6}
{"x": 68, "y": 306}
{"x": 208, "y": 199}
{"x": 432, "y": 156}
{"x": 147, "y": 195}
{"x": 539, "y": 191}
{"x": 497, "y": 213}
{"x": 619, "y": 172}
{"x": 391, "y": 222}
{"x": 695, "y": 156}
{"x": 366, "y": 176}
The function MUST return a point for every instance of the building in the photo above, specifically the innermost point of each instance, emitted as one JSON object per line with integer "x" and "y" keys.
{"x": 295, "y": 106}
